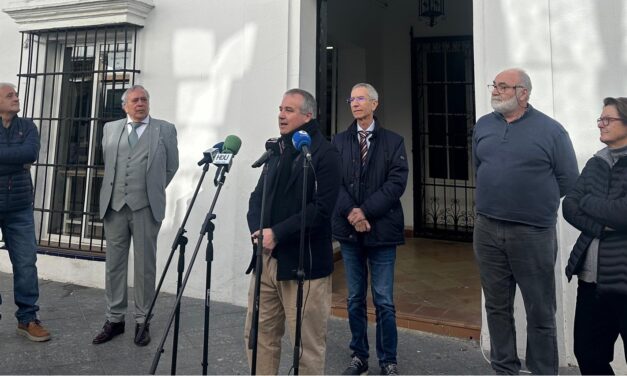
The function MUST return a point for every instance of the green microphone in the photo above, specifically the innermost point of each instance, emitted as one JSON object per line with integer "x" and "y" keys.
{"x": 224, "y": 160}
{"x": 232, "y": 144}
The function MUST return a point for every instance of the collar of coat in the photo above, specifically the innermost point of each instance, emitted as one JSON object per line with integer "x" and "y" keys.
{"x": 352, "y": 129}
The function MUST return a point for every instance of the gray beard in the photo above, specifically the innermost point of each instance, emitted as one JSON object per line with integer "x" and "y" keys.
{"x": 505, "y": 107}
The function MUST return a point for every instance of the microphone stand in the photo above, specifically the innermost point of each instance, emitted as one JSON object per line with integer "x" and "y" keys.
{"x": 207, "y": 228}
{"x": 180, "y": 241}
{"x": 300, "y": 272}
{"x": 254, "y": 327}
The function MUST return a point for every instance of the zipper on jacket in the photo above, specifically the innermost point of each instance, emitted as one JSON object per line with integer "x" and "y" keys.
{"x": 10, "y": 185}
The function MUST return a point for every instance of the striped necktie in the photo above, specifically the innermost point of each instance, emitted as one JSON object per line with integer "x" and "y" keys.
{"x": 363, "y": 146}
{"x": 133, "y": 137}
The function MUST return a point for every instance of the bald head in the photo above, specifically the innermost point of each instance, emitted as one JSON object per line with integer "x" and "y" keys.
{"x": 510, "y": 93}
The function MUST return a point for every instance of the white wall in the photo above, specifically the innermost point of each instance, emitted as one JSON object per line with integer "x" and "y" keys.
{"x": 214, "y": 69}
{"x": 10, "y": 50}
{"x": 575, "y": 53}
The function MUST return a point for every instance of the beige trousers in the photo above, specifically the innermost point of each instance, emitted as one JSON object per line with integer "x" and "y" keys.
{"x": 277, "y": 304}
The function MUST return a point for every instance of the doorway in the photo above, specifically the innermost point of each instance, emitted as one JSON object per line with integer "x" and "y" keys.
{"x": 424, "y": 76}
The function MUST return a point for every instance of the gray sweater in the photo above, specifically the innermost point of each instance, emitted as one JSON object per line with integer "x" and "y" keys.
{"x": 522, "y": 168}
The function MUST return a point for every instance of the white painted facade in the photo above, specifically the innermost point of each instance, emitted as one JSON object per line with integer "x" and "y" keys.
{"x": 213, "y": 69}
{"x": 219, "y": 67}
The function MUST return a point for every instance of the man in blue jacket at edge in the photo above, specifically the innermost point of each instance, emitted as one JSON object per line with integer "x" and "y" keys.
{"x": 19, "y": 147}
{"x": 368, "y": 222}
{"x": 524, "y": 162}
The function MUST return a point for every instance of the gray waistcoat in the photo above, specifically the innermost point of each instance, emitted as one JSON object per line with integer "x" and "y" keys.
{"x": 129, "y": 184}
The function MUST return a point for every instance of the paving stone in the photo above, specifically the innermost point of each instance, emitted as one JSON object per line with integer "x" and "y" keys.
{"x": 75, "y": 314}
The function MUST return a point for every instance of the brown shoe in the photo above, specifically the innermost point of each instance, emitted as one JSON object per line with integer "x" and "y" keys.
{"x": 33, "y": 331}
{"x": 109, "y": 330}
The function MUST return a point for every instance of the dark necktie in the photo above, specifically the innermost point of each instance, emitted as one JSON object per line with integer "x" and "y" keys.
{"x": 363, "y": 145}
{"x": 133, "y": 137}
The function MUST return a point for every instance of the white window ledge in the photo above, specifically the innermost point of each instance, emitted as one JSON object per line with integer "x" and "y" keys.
{"x": 54, "y": 14}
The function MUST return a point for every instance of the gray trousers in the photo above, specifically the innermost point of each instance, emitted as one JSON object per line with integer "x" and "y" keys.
{"x": 120, "y": 228}
{"x": 510, "y": 253}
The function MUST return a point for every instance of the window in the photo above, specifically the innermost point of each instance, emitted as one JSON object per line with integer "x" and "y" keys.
{"x": 71, "y": 82}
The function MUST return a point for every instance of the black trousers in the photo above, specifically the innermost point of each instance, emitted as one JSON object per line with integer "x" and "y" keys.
{"x": 598, "y": 322}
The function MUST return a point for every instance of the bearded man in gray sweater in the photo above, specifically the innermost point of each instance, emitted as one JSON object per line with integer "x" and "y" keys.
{"x": 524, "y": 162}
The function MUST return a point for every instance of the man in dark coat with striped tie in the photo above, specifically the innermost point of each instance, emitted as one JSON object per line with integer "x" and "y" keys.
{"x": 368, "y": 222}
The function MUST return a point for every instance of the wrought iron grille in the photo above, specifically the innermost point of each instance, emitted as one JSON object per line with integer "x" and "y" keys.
{"x": 71, "y": 82}
{"x": 443, "y": 101}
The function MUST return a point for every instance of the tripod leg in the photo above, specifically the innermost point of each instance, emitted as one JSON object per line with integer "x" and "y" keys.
{"x": 177, "y": 318}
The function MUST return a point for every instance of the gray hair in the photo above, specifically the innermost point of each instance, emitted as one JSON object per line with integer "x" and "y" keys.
{"x": 525, "y": 81}
{"x": 5, "y": 84}
{"x": 133, "y": 88}
{"x": 372, "y": 92}
{"x": 309, "y": 102}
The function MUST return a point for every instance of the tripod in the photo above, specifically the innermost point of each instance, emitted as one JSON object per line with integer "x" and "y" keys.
{"x": 207, "y": 229}
{"x": 180, "y": 242}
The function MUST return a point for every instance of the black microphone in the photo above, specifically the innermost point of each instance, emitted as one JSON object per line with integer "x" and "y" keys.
{"x": 272, "y": 148}
{"x": 211, "y": 153}
{"x": 224, "y": 160}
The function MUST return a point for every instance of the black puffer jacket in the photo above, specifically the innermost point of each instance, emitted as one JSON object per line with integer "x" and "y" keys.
{"x": 19, "y": 147}
{"x": 376, "y": 189}
{"x": 597, "y": 206}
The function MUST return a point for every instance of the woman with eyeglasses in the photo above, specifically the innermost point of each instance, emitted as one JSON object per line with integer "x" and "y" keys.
{"x": 597, "y": 206}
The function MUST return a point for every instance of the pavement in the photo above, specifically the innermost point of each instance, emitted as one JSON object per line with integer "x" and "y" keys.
{"x": 74, "y": 315}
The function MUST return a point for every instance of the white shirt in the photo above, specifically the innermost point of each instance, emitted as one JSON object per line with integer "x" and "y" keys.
{"x": 140, "y": 129}
{"x": 369, "y": 129}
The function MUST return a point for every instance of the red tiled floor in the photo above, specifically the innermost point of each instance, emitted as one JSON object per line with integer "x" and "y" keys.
{"x": 436, "y": 288}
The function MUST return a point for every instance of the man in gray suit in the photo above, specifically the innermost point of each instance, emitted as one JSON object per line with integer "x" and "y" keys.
{"x": 141, "y": 158}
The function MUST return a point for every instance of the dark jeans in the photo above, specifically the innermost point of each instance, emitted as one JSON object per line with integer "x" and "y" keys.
{"x": 598, "y": 322}
{"x": 511, "y": 253}
{"x": 18, "y": 230}
{"x": 380, "y": 261}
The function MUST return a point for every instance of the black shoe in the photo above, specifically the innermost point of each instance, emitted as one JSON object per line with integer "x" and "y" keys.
{"x": 389, "y": 369}
{"x": 144, "y": 339}
{"x": 356, "y": 367}
{"x": 109, "y": 330}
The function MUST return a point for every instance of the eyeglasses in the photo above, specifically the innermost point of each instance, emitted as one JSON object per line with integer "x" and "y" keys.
{"x": 357, "y": 99}
{"x": 502, "y": 88}
{"x": 607, "y": 120}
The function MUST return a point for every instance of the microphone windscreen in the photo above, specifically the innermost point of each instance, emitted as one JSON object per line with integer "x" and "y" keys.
{"x": 219, "y": 146}
{"x": 300, "y": 139}
{"x": 232, "y": 144}
{"x": 273, "y": 144}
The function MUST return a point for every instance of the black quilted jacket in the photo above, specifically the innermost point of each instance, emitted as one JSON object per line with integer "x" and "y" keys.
{"x": 19, "y": 147}
{"x": 597, "y": 206}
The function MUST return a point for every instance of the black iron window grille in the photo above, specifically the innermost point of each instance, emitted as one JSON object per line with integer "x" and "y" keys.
{"x": 443, "y": 88}
{"x": 71, "y": 82}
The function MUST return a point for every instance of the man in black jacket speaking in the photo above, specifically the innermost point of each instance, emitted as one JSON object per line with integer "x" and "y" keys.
{"x": 281, "y": 240}
{"x": 368, "y": 222}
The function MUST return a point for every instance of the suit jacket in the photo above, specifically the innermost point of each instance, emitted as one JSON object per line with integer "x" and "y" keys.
{"x": 163, "y": 161}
